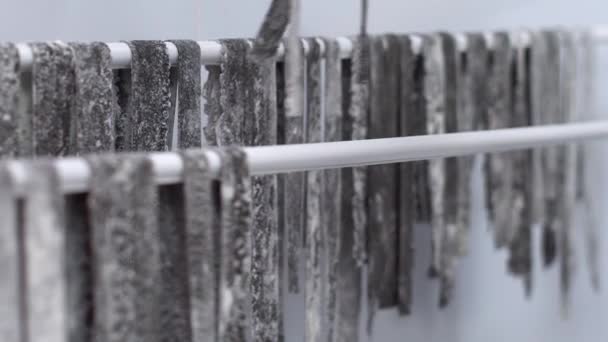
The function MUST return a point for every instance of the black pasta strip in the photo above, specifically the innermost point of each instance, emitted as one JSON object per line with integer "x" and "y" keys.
{"x": 125, "y": 249}
{"x": 349, "y": 287}
{"x": 266, "y": 279}
{"x": 416, "y": 125}
{"x": 407, "y": 176}
{"x": 272, "y": 30}
{"x": 9, "y": 92}
{"x": 94, "y": 106}
{"x": 235, "y": 259}
{"x": 175, "y": 252}
{"x": 282, "y": 229}
{"x": 382, "y": 179}
{"x": 357, "y": 120}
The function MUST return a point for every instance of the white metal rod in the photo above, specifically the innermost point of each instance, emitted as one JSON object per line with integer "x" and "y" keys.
{"x": 75, "y": 174}
{"x": 211, "y": 51}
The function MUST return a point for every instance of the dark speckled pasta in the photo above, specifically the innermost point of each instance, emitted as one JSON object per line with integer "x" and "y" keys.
{"x": 265, "y": 277}
{"x": 281, "y": 209}
{"x": 9, "y": 92}
{"x": 357, "y": 126}
{"x": 409, "y": 117}
{"x": 143, "y": 122}
{"x": 189, "y": 95}
{"x": 382, "y": 179}
{"x": 53, "y": 90}
{"x": 174, "y": 302}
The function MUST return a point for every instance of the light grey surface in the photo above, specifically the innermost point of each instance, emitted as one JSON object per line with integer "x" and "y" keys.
{"x": 488, "y": 304}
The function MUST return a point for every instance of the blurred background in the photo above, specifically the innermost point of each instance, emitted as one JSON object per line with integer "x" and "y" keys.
{"x": 112, "y": 20}
{"x": 489, "y": 305}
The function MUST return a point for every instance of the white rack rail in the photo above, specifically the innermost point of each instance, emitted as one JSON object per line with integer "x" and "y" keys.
{"x": 211, "y": 51}
{"x": 75, "y": 174}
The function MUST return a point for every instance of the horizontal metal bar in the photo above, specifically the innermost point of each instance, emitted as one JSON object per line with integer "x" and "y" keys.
{"x": 75, "y": 174}
{"x": 211, "y": 51}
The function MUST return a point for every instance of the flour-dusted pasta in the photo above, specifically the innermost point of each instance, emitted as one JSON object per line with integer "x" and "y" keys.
{"x": 332, "y": 181}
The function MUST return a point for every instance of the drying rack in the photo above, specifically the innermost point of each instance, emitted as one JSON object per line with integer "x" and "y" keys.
{"x": 74, "y": 173}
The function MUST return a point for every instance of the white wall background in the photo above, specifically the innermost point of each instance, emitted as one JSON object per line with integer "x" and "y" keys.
{"x": 489, "y": 305}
